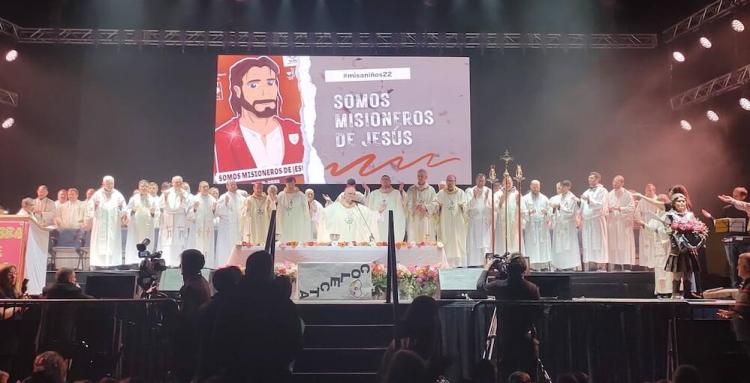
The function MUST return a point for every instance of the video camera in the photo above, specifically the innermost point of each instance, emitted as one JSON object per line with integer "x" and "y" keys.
{"x": 150, "y": 269}
{"x": 499, "y": 268}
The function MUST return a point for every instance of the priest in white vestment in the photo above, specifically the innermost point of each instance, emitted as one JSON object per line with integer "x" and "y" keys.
{"x": 656, "y": 234}
{"x": 566, "y": 252}
{"x": 620, "y": 234}
{"x": 173, "y": 232}
{"x": 349, "y": 219}
{"x": 256, "y": 215}
{"x": 62, "y": 198}
{"x": 72, "y": 214}
{"x": 201, "y": 214}
{"x": 479, "y": 228}
{"x": 106, "y": 232}
{"x": 452, "y": 203}
{"x": 318, "y": 217}
{"x": 420, "y": 210}
{"x": 228, "y": 210}
{"x": 649, "y": 243}
{"x": 594, "y": 224}
{"x": 293, "y": 214}
{"x": 359, "y": 197}
{"x": 507, "y": 216}
{"x": 142, "y": 213}
{"x": 536, "y": 233}
{"x": 44, "y": 208}
{"x": 381, "y": 201}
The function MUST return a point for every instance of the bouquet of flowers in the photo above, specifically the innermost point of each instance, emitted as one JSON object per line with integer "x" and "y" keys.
{"x": 689, "y": 233}
{"x": 378, "y": 279}
{"x": 412, "y": 280}
{"x": 287, "y": 268}
{"x": 426, "y": 280}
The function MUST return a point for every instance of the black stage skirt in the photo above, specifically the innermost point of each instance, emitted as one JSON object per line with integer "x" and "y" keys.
{"x": 684, "y": 262}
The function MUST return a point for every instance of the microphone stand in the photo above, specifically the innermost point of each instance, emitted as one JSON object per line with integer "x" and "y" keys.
{"x": 367, "y": 225}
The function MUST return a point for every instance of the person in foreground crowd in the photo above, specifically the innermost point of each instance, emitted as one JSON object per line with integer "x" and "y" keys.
{"x": 420, "y": 332}
{"x": 194, "y": 293}
{"x": 740, "y": 313}
{"x": 8, "y": 282}
{"x": 406, "y": 367}
{"x": 518, "y": 348}
{"x": 64, "y": 287}
{"x": 49, "y": 367}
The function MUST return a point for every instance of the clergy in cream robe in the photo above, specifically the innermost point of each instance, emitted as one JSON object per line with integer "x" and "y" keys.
{"x": 44, "y": 208}
{"x": 381, "y": 201}
{"x": 228, "y": 210}
{"x": 256, "y": 215}
{"x": 566, "y": 252}
{"x": 72, "y": 214}
{"x": 452, "y": 203}
{"x": 173, "y": 232}
{"x": 318, "y": 217}
{"x": 420, "y": 210}
{"x": 141, "y": 211}
{"x": 620, "y": 234}
{"x": 649, "y": 242}
{"x": 658, "y": 231}
{"x": 106, "y": 233}
{"x": 506, "y": 219}
{"x": 479, "y": 228}
{"x": 594, "y": 222}
{"x": 293, "y": 214}
{"x": 351, "y": 221}
{"x": 201, "y": 215}
{"x": 536, "y": 234}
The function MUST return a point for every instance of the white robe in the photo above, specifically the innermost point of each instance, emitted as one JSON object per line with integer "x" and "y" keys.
{"x": 507, "y": 219}
{"x": 228, "y": 209}
{"x": 318, "y": 217}
{"x": 594, "y": 225}
{"x": 351, "y": 223}
{"x": 256, "y": 215}
{"x": 71, "y": 215}
{"x": 421, "y": 225}
{"x": 537, "y": 240}
{"x": 293, "y": 217}
{"x": 620, "y": 235}
{"x": 44, "y": 210}
{"x": 173, "y": 233}
{"x": 566, "y": 252}
{"x": 649, "y": 240}
{"x": 201, "y": 235}
{"x": 141, "y": 211}
{"x": 479, "y": 228}
{"x": 106, "y": 232}
{"x": 658, "y": 231}
{"x": 453, "y": 226}
{"x": 381, "y": 202}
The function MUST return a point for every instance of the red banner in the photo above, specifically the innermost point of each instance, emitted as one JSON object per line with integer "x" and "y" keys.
{"x": 12, "y": 242}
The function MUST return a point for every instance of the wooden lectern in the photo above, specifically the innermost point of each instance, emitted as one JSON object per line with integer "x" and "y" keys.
{"x": 24, "y": 243}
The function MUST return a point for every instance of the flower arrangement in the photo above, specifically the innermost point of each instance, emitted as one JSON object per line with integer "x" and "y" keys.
{"x": 286, "y": 268}
{"x": 412, "y": 280}
{"x": 689, "y": 226}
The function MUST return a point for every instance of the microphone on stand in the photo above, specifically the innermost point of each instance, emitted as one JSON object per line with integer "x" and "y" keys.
{"x": 367, "y": 225}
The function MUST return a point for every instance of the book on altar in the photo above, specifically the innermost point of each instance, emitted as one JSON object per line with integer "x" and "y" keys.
{"x": 730, "y": 225}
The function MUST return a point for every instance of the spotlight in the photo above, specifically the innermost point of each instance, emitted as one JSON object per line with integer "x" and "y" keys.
{"x": 737, "y": 25}
{"x": 678, "y": 56}
{"x": 705, "y": 42}
{"x": 11, "y": 55}
{"x": 712, "y": 116}
{"x": 745, "y": 103}
{"x": 685, "y": 125}
{"x": 8, "y": 122}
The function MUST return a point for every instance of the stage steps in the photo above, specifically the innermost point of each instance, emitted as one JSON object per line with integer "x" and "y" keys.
{"x": 344, "y": 343}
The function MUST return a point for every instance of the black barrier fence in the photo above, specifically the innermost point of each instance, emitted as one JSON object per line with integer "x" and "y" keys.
{"x": 110, "y": 337}
{"x": 610, "y": 340}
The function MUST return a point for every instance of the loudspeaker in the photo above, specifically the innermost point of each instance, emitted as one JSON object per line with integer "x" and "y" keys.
{"x": 115, "y": 286}
{"x": 460, "y": 283}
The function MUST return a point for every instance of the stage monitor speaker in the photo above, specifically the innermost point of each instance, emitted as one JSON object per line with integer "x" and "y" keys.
{"x": 460, "y": 283}
{"x": 551, "y": 285}
{"x": 111, "y": 286}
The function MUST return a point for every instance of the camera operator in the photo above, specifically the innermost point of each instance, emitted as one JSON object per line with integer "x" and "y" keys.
{"x": 518, "y": 348}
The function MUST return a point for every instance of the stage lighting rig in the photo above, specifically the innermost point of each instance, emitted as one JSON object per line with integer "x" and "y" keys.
{"x": 737, "y": 25}
{"x": 705, "y": 42}
{"x": 712, "y": 116}
{"x": 678, "y": 56}
{"x": 685, "y": 125}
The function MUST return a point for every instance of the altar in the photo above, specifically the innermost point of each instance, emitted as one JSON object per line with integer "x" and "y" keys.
{"x": 414, "y": 255}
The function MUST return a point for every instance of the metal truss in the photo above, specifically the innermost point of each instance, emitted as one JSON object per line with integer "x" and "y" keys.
{"x": 710, "y": 12}
{"x": 8, "y": 98}
{"x": 249, "y": 40}
{"x": 9, "y": 29}
{"x": 712, "y": 88}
